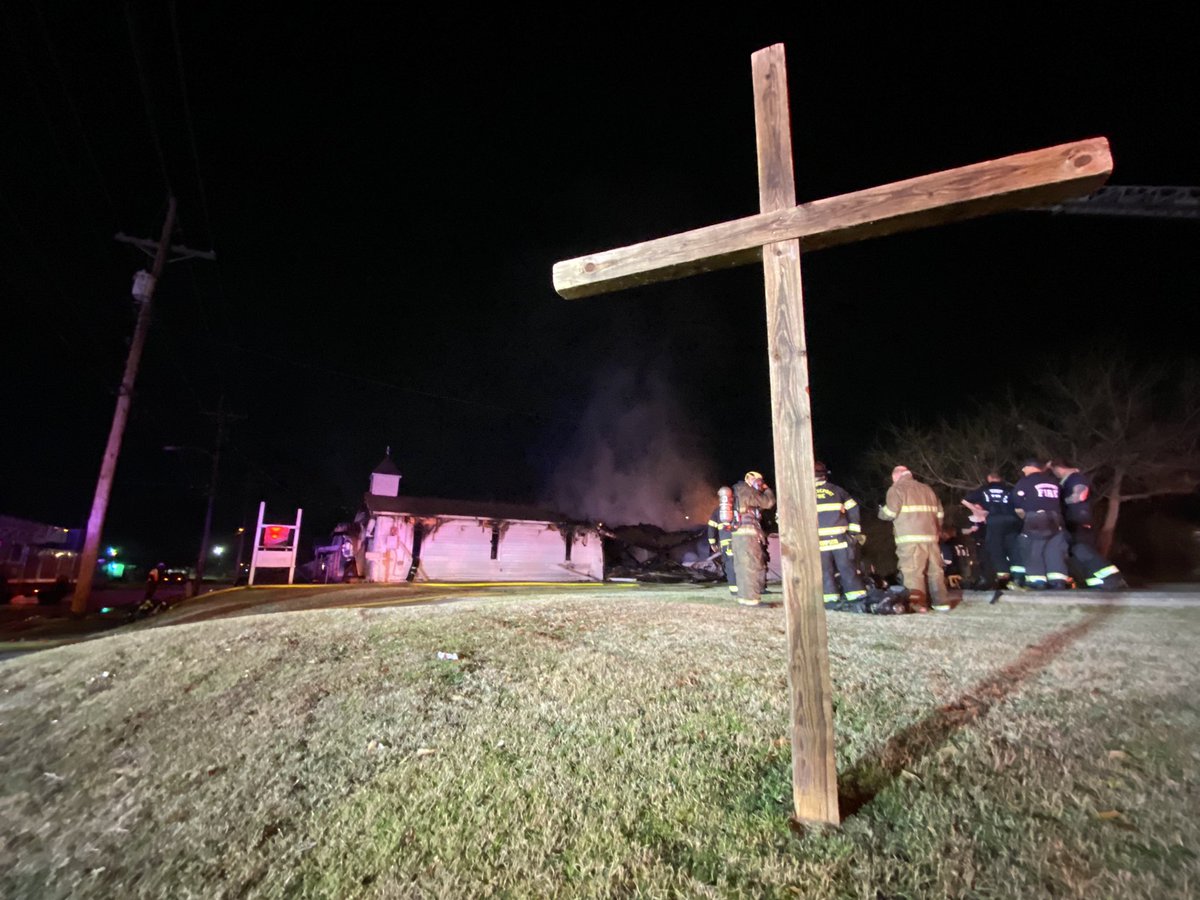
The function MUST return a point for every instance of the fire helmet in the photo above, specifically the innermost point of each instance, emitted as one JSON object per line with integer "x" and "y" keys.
{"x": 753, "y": 476}
{"x": 820, "y": 469}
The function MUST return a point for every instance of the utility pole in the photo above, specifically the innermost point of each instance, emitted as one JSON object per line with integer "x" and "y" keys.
{"x": 222, "y": 417}
{"x": 237, "y": 565}
{"x": 143, "y": 292}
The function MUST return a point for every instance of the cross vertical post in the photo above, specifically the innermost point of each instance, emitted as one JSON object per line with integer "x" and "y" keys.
{"x": 814, "y": 773}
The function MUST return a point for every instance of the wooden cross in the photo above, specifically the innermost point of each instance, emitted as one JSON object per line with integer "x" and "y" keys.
{"x": 773, "y": 236}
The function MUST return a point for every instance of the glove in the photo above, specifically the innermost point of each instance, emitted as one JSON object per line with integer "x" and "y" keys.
{"x": 861, "y": 538}
{"x": 955, "y": 581}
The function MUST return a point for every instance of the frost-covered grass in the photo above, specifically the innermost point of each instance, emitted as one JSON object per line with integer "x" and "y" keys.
{"x": 602, "y": 746}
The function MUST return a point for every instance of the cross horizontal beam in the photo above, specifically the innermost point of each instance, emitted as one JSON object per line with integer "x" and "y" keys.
{"x": 1036, "y": 178}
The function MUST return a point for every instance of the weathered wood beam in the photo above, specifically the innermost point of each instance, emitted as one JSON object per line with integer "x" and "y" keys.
{"x": 814, "y": 770}
{"x": 1036, "y": 178}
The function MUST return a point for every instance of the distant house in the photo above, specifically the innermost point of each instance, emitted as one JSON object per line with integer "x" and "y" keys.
{"x": 32, "y": 553}
{"x": 430, "y": 539}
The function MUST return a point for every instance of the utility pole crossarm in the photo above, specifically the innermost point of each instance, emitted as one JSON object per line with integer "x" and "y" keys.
{"x": 151, "y": 248}
{"x": 1040, "y": 176}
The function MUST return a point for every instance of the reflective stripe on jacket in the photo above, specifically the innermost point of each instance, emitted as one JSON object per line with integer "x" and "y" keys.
{"x": 719, "y": 533}
{"x": 837, "y": 513}
{"x": 914, "y": 510}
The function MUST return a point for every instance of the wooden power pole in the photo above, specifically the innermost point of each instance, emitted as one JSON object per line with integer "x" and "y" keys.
{"x": 222, "y": 416}
{"x": 144, "y": 284}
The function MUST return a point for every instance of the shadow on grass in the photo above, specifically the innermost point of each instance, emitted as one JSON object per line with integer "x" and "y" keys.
{"x": 870, "y": 774}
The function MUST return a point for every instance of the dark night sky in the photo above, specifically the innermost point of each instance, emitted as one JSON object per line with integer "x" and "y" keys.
{"x": 387, "y": 192}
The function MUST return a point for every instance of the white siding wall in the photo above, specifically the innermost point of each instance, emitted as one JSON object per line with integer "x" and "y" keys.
{"x": 458, "y": 551}
{"x": 385, "y": 485}
{"x": 389, "y": 556}
{"x": 461, "y": 549}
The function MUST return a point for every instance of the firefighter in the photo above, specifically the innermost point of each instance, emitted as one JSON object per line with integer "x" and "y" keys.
{"x": 1076, "y": 492}
{"x": 916, "y": 516}
{"x": 838, "y": 523}
{"x": 750, "y": 497}
{"x": 960, "y": 561}
{"x": 951, "y": 553}
{"x": 720, "y": 535}
{"x": 1002, "y": 528}
{"x": 1043, "y": 543}
{"x": 154, "y": 578}
{"x": 150, "y": 604}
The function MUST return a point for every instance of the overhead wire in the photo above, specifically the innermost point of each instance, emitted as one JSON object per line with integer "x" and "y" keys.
{"x": 187, "y": 115}
{"x": 62, "y": 81}
{"x": 205, "y": 211}
{"x": 178, "y": 367}
{"x": 145, "y": 89}
{"x": 199, "y": 174}
{"x": 159, "y": 152}
{"x": 48, "y": 275}
{"x": 71, "y": 175}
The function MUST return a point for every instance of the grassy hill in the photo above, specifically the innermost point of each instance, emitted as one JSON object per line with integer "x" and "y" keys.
{"x": 590, "y": 745}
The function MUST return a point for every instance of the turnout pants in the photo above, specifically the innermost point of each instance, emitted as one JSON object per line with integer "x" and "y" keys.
{"x": 1044, "y": 551}
{"x": 1000, "y": 548}
{"x": 838, "y": 559}
{"x": 1094, "y": 567}
{"x": 749, "y": 562}
{"x": 921, "y": 569}
{"x": 730, "y": 566}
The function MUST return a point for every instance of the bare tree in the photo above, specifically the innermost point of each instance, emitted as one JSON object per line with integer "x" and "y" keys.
{"x": 1135, "y": 432}
{"x": 953, "y": 455}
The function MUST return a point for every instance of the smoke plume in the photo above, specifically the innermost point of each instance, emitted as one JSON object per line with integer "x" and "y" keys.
{"x": 635, "y": 459}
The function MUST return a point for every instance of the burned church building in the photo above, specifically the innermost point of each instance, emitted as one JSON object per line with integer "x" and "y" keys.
{"x": 396, "y": 538}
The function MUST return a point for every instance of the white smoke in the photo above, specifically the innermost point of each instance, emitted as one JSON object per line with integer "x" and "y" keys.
{"x": 635, "y": 459}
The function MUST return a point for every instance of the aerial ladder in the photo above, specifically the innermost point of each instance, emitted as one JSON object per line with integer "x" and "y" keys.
{"x": 1134, "y": 200}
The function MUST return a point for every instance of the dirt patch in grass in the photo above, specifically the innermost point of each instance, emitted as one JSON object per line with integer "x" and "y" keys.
{"x": 598, "y": 746}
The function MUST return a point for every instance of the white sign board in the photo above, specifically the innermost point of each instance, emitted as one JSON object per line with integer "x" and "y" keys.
{"x": 274, "y": 545}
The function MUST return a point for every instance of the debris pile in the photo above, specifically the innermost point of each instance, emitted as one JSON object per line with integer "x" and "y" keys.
{"x": 649, "y": 554}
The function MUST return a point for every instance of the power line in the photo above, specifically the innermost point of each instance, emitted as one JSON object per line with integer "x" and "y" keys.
{"x": 181, "y": 253}
{"x": 71, "y": 174}
{"x": 62, "y": 81}
{"x": 48, "y": 275}
{"x": 187, "y": 115}
{"x": 179, "y": 369}
{"x": 137, "y": 61}
{"x": 204, "y": 208}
